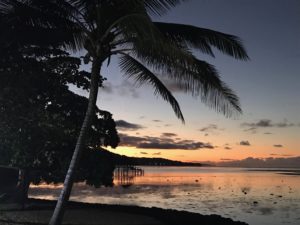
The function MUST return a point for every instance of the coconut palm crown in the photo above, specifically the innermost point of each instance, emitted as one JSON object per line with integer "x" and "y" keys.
{"x": 148, "y": 51}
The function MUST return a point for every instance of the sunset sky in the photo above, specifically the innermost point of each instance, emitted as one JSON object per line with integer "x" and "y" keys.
{"x": 268, "y": 86}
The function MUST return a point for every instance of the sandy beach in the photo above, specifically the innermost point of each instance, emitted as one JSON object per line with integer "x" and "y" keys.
{"x": 38, "y": 212}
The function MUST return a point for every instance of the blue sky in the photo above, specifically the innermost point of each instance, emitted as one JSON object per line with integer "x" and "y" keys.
{"x": 268, "y": 86}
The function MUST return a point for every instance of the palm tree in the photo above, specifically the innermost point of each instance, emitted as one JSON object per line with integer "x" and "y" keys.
{"x": 147, "y": 51}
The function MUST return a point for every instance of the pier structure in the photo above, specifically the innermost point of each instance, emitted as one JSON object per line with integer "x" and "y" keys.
{"x": 124, "y": 175}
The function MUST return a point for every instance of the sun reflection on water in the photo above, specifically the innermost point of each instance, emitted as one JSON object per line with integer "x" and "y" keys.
{"x": 256, "y": 197}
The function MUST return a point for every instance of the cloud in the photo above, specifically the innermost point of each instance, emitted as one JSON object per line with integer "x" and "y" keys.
{"x": 107, "y": 87}
{"x": 209, "y": 128}
{"x": 268, "y": 133}
{"x": 157, "y": 121}
{"x": 252, "y": 130}
{"x": 168, "y": 135}
{"x": 147, "y": 142}
{"x": 260, "y": 123}
{"x": 130, "y": 141}
{"x": 263, "y": 123}
{"x": 225, "y": 159}
{"x": 283, "y": 155}
{"x": 126, "y": 88}
{"x": 179, "y": 145}
{"x": 124, "y": 125}
{"x": 144, "y": 153}
{"x": 245, "y": 143}
{"x": 278, "y": 146}
{"x": 228, "y": 148}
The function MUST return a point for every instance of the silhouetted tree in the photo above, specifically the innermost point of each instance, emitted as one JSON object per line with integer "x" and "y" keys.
{"x": 41, "y": 118}
{"x": 147, "y": 51}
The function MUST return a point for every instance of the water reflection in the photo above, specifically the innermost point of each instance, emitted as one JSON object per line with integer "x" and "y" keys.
{"x": 125, "y": 175}
{"x": 256, "y": 197}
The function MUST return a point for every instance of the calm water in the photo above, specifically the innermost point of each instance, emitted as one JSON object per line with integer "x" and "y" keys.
{"x": 256, "y": 197}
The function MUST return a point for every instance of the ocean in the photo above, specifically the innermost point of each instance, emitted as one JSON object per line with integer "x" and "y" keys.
{"x": 255, "y": 196}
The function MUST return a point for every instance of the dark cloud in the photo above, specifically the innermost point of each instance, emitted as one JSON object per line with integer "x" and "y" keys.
{"x": 268, "y": 133}
{"x": 157, "y": 121}
{"x": 267, "y": 123}
{"x": 124, "y": 125}
{"x": 130, "y": 141}
{"x": 126, "y": 88}
{"x": 144, "y": 153}
{"x": 228, "y": 148}
{"x": 252, "y": 130}
{"x": 260, "y": 123}
{"x": 245, "y": 143}
{"x": 282, "y": 155}
{"x": 209, "y": 128}
{"x": 278, "y": 146}
{"x": 178, "y": 145}
{"x": 168, "y": 135}
{"x": 225, "y": 159}
{"x": 162, "y": 143}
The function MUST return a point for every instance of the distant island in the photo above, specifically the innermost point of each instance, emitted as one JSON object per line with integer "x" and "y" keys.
{"x": 143, "y": 161}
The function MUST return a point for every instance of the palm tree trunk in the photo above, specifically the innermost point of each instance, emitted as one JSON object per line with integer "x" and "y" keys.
{"x": 58, "y": 213}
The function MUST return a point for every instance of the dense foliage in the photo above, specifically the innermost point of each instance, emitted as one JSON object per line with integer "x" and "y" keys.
{"x": 41, "y": 117}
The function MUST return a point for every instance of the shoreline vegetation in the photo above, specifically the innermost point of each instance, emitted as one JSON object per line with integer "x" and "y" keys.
{"x": 144, "y": 161}
{"x": 37, "y": 212}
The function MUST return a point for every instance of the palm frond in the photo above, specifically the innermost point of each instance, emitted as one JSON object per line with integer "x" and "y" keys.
{"x": 202, "y": 39}
{"x": 138, "y": 26}
{"x": 160, "y": 7}
{"x": 37, "y": 18}
{"x": 136, "y": 70}
{"x": 192, "y": 75}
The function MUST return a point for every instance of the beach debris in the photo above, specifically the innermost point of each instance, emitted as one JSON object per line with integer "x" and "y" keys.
{"x": 245, "y": 190}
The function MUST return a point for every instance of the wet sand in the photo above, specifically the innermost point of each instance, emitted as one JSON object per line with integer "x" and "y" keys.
{"x": 38, "y": 212}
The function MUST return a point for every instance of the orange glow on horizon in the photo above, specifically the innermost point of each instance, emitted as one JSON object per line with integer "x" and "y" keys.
{"x": 202, "y": 155}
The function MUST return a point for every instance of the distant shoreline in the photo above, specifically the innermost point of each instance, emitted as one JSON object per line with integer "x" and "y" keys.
{"x": 295, "y": 172}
